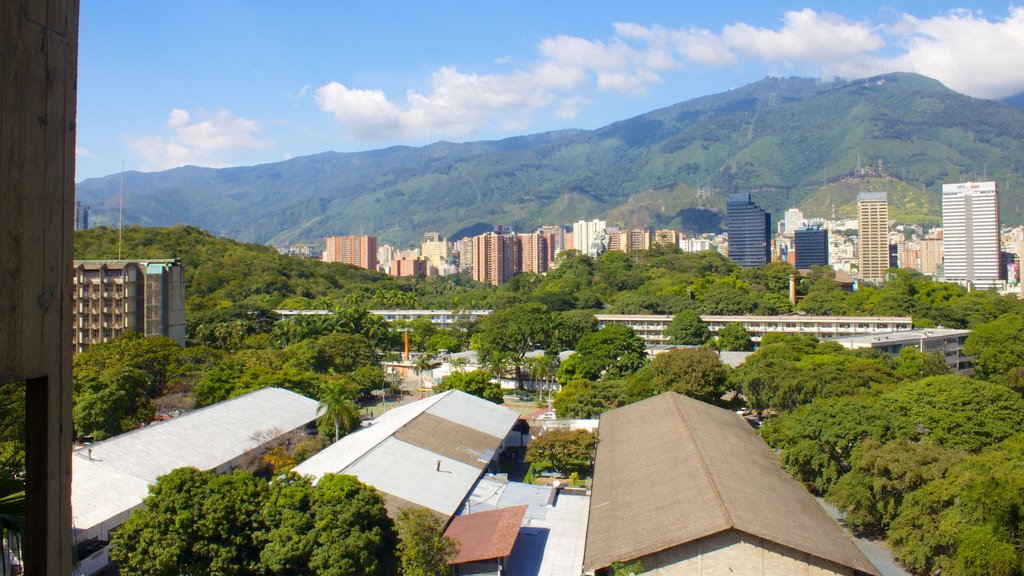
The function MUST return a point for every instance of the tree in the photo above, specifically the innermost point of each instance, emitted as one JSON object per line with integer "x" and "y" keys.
{"x": 478, "y": 383}
{"x": 914, "y": 365}
{"x": 423, "y": 549}
{"x": 734, "y": 337}
{"x": 580, "y": 398}
{"x": 112, "y": 401}
{"x": 687, "y": 328}
{"x": 694, "y": 372}
{"x": 614, "y": 351}
{"x": 958, "y": 412}
{"x": 882, "y": 475}
{"x": 572, "y": 325}
{"x": 562, "y": 450}
{"x": 816, "y": 441}
{"x": 422, "y": 364}
{"x": 997, "y": 346}
{"x": 353, "y": 534}
{"x": 195, "y": 522}
{"x": 505, "y": 336}
{"x": 338, "y": 408}
{"x": 969, "y": 521}
{"x": 288, "y": 510}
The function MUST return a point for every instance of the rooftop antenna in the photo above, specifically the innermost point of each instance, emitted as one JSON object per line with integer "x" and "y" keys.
{"x": 120, "y": 213}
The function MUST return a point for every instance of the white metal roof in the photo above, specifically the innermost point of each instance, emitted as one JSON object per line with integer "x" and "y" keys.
{"x": 409, "y": 471}
{"x": 106, "y": 477}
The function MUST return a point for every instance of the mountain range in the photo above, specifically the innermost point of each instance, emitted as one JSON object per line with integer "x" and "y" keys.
{"x": 788, "y": 141}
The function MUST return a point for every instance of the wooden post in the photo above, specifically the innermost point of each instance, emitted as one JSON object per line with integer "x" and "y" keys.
{"x": 38, "y": 96}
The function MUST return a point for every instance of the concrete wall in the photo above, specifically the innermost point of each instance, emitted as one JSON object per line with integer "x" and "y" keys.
{"x": 734, "y": 553}
{"x": 38, "y": 96}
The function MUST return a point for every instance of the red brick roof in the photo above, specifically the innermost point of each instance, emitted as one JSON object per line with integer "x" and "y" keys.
{"x": 486, "y": 535}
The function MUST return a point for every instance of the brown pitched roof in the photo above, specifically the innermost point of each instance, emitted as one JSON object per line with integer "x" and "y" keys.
{"x": 486, "y": 535}
{"x": 671, "y": 470}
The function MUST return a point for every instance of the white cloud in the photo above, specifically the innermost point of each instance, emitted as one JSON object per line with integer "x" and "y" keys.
{"x": 968, "y": 52}
{"x": 83, "y": 152}
{"x": 209, "y": 140}
{"x": 807, "y": 37}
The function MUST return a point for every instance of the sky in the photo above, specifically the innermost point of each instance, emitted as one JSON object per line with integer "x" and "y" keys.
{"x": 222, "y": 83}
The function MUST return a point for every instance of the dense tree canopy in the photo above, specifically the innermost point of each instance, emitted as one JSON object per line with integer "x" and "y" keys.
{"x": 694, "y": 372}
{"x": 478, "y": 383}
{"x": 563, "y": 450}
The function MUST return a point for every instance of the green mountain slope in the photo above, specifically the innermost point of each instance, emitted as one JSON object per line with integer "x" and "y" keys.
{"x": 791, "y": 142}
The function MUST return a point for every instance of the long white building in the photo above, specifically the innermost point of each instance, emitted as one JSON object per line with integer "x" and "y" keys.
{"x": 583, "y": 234}
{"x": 970, "y": 223}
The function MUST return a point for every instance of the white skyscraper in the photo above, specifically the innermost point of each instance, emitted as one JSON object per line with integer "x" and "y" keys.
{"x": 583, "y": 234}
{"x": 970, "y": 224}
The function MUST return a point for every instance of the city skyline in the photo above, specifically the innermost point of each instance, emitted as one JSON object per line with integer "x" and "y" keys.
{"x": 238, "y": 84}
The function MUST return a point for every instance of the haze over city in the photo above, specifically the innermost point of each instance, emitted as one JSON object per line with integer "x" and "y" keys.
{"x": 231, "y": 83}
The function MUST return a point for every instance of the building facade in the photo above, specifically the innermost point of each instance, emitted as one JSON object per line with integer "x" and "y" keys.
{"x": 584, "y": 233}
{"x": 436, "y": 250}
{"x": 358, "y": 251}
{"x": 114, "y": 296}
{"x": 873, "y": 245}
{"x": 628, "y": 240}
{"x": 749, "y": 232}
{"x": 495, "y": 258}
{"x": 970, "y": 227}
{"x": 534, "y": 253}
{"x": 811, "y": 247}
{"x": 81, "y": 216}
{"x": 408, "y": 267}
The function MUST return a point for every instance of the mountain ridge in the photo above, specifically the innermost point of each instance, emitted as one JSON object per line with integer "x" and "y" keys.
{"x": 786, "y": 140}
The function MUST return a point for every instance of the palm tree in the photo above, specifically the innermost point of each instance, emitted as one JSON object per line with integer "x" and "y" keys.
{"x": 421, "y": 365}
{"x": 337, "y": 406}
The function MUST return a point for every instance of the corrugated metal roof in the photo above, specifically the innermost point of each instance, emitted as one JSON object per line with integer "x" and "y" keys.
{"x": 671, "y": 470}
{"x": 106, "y": 476}
{"x": 399, "y": 452}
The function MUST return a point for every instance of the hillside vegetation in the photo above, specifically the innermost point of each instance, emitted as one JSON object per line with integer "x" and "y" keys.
{"x": 789, "y": 141}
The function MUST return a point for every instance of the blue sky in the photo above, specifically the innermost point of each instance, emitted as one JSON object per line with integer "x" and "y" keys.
{"x": 227, "y": 83}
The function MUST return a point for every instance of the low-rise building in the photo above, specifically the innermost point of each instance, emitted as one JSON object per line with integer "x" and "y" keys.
{"x": 946, "y": 342}
{"x": 110, "y": 479}
{"x": 429, "y": 453}
{"x": 685, "y": 487}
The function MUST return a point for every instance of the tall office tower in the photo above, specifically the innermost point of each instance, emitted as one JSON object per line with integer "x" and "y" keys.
{"x": 495, "y": 258}
{"x": 114, "y": 296}
{"x": 81, "y": 216}
{"x": 970, "y": 227}
{"x": 465, "y": 249}
{"x": 533, "y": 253}
{"x": 583, "y": 234}
{"x": 750, "y": 231}
{"x": 435, "y": 249}
{"x": 355, "y": 250}
{"x": 811, "y": 247}
{"x": 873, "y": 245}
{"x": 666, "y": 237}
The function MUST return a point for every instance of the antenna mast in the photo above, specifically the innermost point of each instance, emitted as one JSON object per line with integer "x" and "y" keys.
{"x": 120, "y": 213}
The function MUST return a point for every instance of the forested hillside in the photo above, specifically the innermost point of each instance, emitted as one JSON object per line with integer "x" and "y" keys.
{"x": 789, "y": 141}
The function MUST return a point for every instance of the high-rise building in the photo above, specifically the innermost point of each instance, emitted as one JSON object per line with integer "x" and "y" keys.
{"x": 358, "y": 251}
{"x": 930, "y": 251}
{"x": 556, "y": 240}
{"x": 584, "y": 233}
{"x": 114, "y": 296}
{"x": 666, "y": 236}
{"x": 811, "y": 247}
{"x": 970, "y": 227}
{"x": 873, "y": 244}
{"x": 792, "y": 221}
{"x": 495, "y": 258}
{"x": 435, "y": 249}
{"x": 749, "y": 232}
{"x": 627, "y": 240}
{"x": 81, "y": 216}
{"x": 533, "y": 253}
